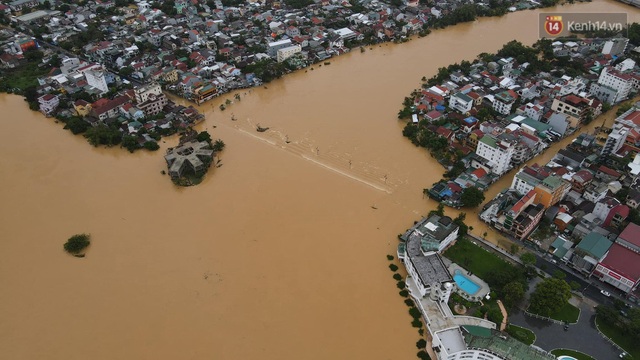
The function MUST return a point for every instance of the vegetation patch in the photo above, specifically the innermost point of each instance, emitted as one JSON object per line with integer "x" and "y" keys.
{"x": 77, "y": 243}
{"x": 486, "y": 265}
{"x": 521, "y": 334}
{"x": 551, "y": 298}
{"x": 617, "y": 330}
{"x": 575, "y": 354}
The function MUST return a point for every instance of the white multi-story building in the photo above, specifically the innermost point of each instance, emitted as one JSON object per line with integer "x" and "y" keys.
{"x": 615, "y": 140}
{"x": 613, "y": 86}
{"x": 523, "y": 182}
{"x": 461, "y": 102}
{"x": 143, "y": 92}
{"x": 503, "y": 102}
{"x": 48, "y": 103}
{"x": 534, "y": 111}
{"x": 273, "y": 47}
{"x": 95, "y": 76}
{"x": 496, "y": 152}
{"x": 285, "y": 53}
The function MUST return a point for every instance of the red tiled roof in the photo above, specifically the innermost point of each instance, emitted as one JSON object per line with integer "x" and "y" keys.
{"x": 434, "y": 114}
{"x": 631, "y": 234}
{"x": 454, "y": 187}
{"x": 623, "y": 261}
{"x": 609, "y": 171}
{"x": 479, "y": 173}
{"x": 518, "y": 207}
{"x": 634, "y": 117}
{"x": 442, "y": 131}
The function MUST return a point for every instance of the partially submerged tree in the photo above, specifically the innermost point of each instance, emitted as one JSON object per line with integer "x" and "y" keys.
{"x": 77, "y": 243}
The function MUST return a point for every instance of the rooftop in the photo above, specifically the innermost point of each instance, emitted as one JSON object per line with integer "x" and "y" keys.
{"x": 430, "y": 267}
{"x": 623, "y": 261}
{"x": 505, "y": 347}
{"x": 631, "y": 234}
{"x": 595, "y": 245}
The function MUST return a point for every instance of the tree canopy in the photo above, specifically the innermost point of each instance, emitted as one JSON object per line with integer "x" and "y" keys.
{"x": 549, "y": 296}
{"x": 471, "y": 197}
{"x": 77, "y": 243}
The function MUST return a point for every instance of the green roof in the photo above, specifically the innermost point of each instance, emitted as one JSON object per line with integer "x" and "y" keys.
{"x": 463, "y": 96}
{"x": 595, "y": 245}
{"x": 540, "y": 127}
{"x": 562, "y": 246}
{"x": 489, "y": 140}
{"x": 552, "y": 182}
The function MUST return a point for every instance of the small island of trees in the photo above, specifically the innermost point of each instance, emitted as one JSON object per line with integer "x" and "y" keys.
{"x": 77, "y": 243}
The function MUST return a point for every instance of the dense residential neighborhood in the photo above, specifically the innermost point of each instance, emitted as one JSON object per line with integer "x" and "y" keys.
{"x": 95, "y": 61}
{"x": 484, "y": 118}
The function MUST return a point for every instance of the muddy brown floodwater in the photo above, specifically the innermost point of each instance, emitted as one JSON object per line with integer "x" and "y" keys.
{"x": 278, "y": 254}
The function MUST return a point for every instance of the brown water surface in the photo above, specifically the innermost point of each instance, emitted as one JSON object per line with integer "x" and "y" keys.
{"x": 278, "y": 254}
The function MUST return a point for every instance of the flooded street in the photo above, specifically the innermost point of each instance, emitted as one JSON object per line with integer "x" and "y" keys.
{"x": 278, "y": 254}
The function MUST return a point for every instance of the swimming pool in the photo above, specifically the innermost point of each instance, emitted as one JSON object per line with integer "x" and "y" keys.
{"x": 565, "y": 357}
{"x": 466, "y": 284}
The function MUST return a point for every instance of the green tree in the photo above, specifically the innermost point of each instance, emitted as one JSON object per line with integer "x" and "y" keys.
{"x": 462, "y": 227}
{"x": 130, "y": 142}
{"x": 76, "y": 125}
{"x": 151, "y": 145}
{"x": 218, "y": 145}
{"x": 472, "y": 197}
{"x": 103, "y": 135}
{"x": 204, "y": 136}
{"x": 559, "y": 274}
{"x": 77, "y": 243}
{"x": 549, "y": 296}
{"x": 421, "y": 344}
{"x": 528, "y": 259}
{"x": 438, "y": 211}
{"x": 513, "y": 293}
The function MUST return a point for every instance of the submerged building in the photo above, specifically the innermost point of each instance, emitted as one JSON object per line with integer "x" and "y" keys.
{"x": 190, "y": 155}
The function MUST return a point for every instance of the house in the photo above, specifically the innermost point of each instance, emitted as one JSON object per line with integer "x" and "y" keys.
{"x": 286, "y": 52}
{"x": 576, "y": 106}
{"x": 435, "y": 233}
{"x": 581, "y": 179}
{"x": 496, "y": 152}
{"x": 560, "y": 122}
{"x": 503, "y": 101}
{"x": 589, "y": 252}
{"x": 561, "y": 248}
{"x": 82, "y": 107}
{"x": 562, "y": 220}
{"x": 613, "y": 86}
{"x": 461, "y": 102}
{"x": 153, "y": 105}
{"x": 273, "y": 47}
{"x": 615, "y": 139}
{"x": 621, "y": 267}
{"x": 48, "y": 103}
{"x": 104, "y": 108}
{"x": 142, "y": 93}
{"x": 526, "y": 179}
{"x": 522, "y": 217}
{"x": 551, "y": 190}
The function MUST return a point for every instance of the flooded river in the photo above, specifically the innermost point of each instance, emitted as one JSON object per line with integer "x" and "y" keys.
{"x": 278, "y": 254}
